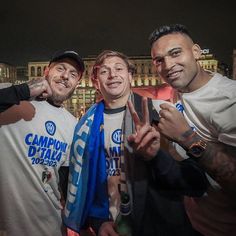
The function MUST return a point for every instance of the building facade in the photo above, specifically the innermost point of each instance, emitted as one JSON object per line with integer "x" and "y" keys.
{"x": 7, "y": 73}
{"x": 234, "y": 64}
{"x": 145, "y": 80}
{"x": 85, "y": 94}
{"x": 207, "y": 61}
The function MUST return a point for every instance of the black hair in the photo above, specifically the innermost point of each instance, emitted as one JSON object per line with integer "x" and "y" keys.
{"x": 168, "y": 29}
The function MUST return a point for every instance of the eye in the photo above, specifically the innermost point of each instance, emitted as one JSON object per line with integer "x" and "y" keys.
{"x": 103, "y": 71}
{"x": 119, "y": 68}
{"x": 158, "y": 60}
{"x": 175, "y": 53}
{"x": 60, "y": 68}
{"x": 74, "y": 75}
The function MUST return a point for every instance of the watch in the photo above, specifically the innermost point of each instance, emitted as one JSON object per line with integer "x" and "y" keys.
{"x": 197, "y": 148}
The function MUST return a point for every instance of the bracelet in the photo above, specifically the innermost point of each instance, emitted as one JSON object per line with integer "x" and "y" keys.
{"x": 186, "y": 135}
{"x": 190, "y": 137}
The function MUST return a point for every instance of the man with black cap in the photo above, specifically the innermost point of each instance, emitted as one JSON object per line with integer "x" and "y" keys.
{"x": 35, "y": 140}
{"x": 36, "y": 88}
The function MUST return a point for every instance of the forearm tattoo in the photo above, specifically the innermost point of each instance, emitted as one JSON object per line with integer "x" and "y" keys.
{"x": 35, "y": 83}
{"x": 187, "y": 138}
{"x": 219, "y": 161}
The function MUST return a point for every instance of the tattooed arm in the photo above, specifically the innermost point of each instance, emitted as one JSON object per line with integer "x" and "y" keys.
{"x": 39, "y": 88}
{"x": 218, "y": 159}
{"x": 12, "y": 95}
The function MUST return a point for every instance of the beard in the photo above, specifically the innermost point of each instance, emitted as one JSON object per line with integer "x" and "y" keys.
{"x": 58, "y": 99}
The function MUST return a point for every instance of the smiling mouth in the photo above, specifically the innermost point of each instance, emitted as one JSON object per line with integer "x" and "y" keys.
{"x": 174, "y": 75}
{"x": 113, "y": 84}
{"x": 62, "y": 84}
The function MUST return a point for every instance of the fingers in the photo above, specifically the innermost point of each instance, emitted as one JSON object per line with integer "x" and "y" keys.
{"x": 107, "y": 229}
{"x": 45, "y": 95}
{"x": 149, "y": 138}
{"x": 39, "y": 88}
{"x": 134, "y": 115}
{"x": 165, "y": 114}
{"x": 166, "y": 106}
{"x": 137, "y": 122}
{"x": 146, "y": 139}
{"x": 48, "y": 90}
{"x": 131, "y": 138}
{"x": 142, "y": 133}
{"x": 146, "y": 142}
{"x": 172, "y": 123}
{"x": 145, "y": 110}
{"x": 167, "y": 111}
{"x": 145, "y": 135}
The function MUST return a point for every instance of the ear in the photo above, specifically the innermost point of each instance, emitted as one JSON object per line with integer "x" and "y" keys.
{"x": 80, "y": 79}
{"x": 77, "y": 85}
{"x": 196, "y": 51}
{"x": 130, "y": 77}
{"x": 46, "y": 71}
{"x": 96, "y": 83}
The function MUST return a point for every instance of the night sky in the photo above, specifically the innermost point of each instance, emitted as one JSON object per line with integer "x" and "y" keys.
{"x": 34, "y": 30}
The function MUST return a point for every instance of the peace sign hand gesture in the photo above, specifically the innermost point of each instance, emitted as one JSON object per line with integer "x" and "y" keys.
{"x": 146, "y": 140}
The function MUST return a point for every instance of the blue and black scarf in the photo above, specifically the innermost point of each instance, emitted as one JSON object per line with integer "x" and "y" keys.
{"x": 87, "y": 190}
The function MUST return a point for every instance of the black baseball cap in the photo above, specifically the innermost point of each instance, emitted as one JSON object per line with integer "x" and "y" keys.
{"x": 68, "y": 54}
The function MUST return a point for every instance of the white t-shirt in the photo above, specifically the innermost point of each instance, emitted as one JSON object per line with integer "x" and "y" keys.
{"x": 211, "y": 112}
{"x": 35, "y": 140}
{"x": 113, "y": 150}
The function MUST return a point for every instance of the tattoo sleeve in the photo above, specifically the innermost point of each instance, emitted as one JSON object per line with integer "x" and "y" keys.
{"x": 35, "y": 83}
{"x": 219, "y": 161}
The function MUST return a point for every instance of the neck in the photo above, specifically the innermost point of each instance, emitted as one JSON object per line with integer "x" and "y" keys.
{"x": 200, "y": 79}
{"x": 53, "y": 103}
{"x": 116, "y": 103}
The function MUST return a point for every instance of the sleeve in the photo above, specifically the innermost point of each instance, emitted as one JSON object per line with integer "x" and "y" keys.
{"x": 13, "y": 95}
{"x": 223, "y": 118}
{"x": 184, "y": 177}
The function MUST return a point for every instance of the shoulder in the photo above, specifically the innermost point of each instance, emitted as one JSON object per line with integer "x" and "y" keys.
{"x": 68, "y": 115}
{"x": 223, "y": 85}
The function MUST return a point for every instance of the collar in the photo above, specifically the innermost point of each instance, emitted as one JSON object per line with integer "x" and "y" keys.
{"x": 115, "y": 110}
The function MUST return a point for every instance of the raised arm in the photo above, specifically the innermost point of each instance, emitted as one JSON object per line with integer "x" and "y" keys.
{"x": 12, "y": 95}
{"x": 217, "y": 159}
{"x": 185, "y": 177}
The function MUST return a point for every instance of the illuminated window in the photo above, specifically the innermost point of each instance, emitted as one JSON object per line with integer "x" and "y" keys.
{"x": 39, "y": 71}
{"x": 32, "y": 71}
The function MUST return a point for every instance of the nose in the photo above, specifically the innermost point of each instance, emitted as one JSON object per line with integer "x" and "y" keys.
{"x": 112, "y": 72}
{"x": 169, "y": 63}
{"x": 65, "y": 74}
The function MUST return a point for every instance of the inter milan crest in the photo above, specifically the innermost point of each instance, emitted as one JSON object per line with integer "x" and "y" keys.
{"x": 116, "y": 136}
{"x": 50, "y": 127}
